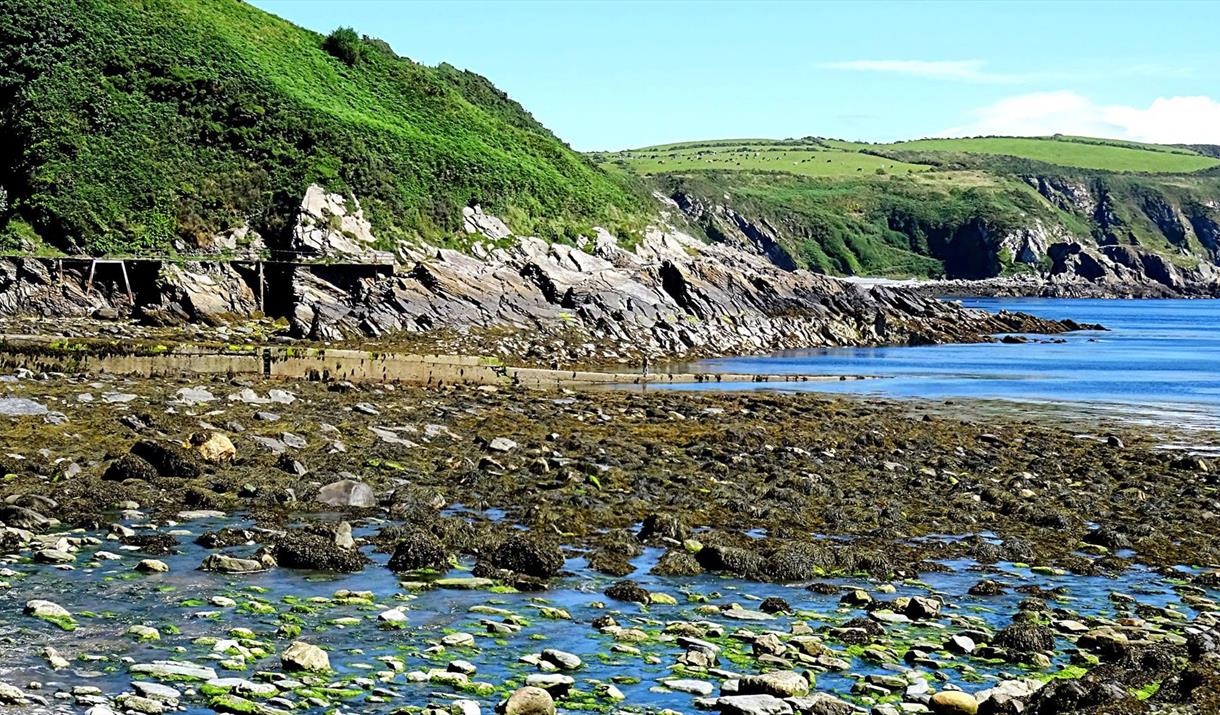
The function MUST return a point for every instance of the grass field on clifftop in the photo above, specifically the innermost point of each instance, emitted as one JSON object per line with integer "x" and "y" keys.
{"x": 801, "y": 158}
{"x": 830, "y": 157}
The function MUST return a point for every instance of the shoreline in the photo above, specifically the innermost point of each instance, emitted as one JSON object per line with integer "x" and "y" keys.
{"x": 368, "y": 516}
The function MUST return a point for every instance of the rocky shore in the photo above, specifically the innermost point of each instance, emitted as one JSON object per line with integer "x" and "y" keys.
{"x": 666, "y": 295}
{"x": 269, "y": 547}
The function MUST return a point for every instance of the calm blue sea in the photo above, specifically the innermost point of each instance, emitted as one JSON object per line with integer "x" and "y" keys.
{"x": 1159, "y": 361}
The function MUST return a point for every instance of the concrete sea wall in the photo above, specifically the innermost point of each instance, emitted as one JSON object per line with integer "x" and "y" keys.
{"x": 327, "y": 365}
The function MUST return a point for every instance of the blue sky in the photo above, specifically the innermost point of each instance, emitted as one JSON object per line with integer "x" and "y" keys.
{"x": 611, "y": 75}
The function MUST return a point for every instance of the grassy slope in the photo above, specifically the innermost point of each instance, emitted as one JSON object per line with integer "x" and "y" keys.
{"x": 921, "y": 217}
{"x": 138, "y": 122}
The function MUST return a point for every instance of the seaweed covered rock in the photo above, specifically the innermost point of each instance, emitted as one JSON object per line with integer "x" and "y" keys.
{"x": 528, "y": 554}
{"x": 663, "y": 526}
{"x": 677, "y": 562}
{"x": 798, "y": 562}
{"x": 224, "y": 538}
{"x": 152, "y": 544}
{"x": 1087, "y": 695}
{"x": 169, "y": 460}
{"x": 418, "y": 549}
{"x": 129, "y": 466}
{"x": 775, "y": 604}
{"x": 733, "y": 559}
{"x": 300, "y": 549}
{"x": 1022, "y": 640}
{"x": 610, "y": 562}
{"x": 628, "y": 591}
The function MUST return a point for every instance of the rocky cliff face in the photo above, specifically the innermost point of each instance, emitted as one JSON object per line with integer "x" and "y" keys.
{"x": 668, "y": 295}
{"x": 671, "y": 295}
{"x": 1037, "y": 257}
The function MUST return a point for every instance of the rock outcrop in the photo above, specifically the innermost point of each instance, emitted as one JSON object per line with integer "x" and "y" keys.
{"x": 331, "y": 226}
{"x": 670, "y": 294}
{"x": 667, "y": 294}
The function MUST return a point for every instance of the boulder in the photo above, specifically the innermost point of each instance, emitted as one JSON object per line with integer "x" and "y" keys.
{"x": 215, "y": 448}
{"x": 528, "y": 701}
{"x": 561, "y": 659}
{"x": 300, "y": 549}
{"x": 347, "y": 492}
{"x": 528, "y": 554}
{"x": 12, "y": 695}
{"x": 780, "y": 683}
{"x": 20, "y": 517}
{"x": 129, "y": 466}
{"x": 302, "y": 656}
{"x": 920, "y": 607}
{"x": 39, "y": 608}
{"x": 221, "y": 563}
{"x": 152, "y": 566}
{"x": 953, "y": 702}
{"x": 752, "y": 705}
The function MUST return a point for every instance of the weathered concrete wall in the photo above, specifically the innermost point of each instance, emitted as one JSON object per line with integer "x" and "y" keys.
{"x": 164, "y": 365}
{"x": 42, "y": 355}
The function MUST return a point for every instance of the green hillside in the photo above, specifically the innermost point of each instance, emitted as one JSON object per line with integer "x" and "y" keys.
{"x": 130, "y": 124}
{"x": 941, "y": 207}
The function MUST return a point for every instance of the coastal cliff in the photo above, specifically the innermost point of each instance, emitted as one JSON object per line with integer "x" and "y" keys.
{"x": 1058, "y": 216}
{"x": 667, "y": 295}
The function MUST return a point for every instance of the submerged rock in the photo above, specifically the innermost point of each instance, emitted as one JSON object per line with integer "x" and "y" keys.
{"x": 174, "y": 670}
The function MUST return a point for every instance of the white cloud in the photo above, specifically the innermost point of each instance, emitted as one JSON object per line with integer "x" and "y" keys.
{"x": 976, "y": 71}
{"x": 966, "y": 70}
{"x": 952, "y": 70}
{"x": 1167, "y": 120}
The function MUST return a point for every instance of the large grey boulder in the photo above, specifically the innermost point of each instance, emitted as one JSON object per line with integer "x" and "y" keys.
{"x": 347, "y": 492}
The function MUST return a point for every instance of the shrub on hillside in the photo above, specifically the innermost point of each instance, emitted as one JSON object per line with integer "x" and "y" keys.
{"x": 344, "y": 44}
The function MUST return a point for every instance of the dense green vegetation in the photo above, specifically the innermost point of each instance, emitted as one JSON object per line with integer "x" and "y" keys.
{"x": 942, "y": 206}
{"x": 130, "y": 124}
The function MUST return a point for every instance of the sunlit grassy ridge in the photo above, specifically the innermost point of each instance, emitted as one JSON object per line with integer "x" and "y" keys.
{"x": 1074, "y": 152}
{"x": 130, "y": 124}
{"x": 808, "y": 159}
{"x": 830, "y": 157}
